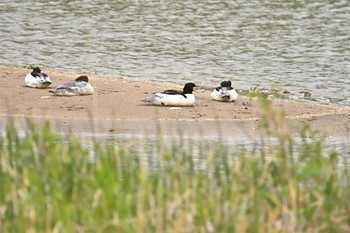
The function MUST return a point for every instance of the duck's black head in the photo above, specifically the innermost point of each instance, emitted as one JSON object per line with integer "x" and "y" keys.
{"x": 37, "y": 70}
{"x": 83, "y": 78}
{"x": 189, "y": 88}
{"x": 226, "y": 84}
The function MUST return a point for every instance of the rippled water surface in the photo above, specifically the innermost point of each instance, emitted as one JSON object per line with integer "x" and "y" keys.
{"x": 295, "y": 45}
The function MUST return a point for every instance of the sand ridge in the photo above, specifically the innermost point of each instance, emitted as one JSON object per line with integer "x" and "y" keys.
{"x": 119, "y": 99}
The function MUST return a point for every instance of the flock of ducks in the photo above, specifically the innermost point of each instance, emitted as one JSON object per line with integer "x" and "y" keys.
{"x": 81, "y": 86}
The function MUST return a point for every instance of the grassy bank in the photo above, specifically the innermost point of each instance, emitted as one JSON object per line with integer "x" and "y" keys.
{"x": 49, "y": 183}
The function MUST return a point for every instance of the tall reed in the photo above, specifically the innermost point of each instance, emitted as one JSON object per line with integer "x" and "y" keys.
{"x": 50, "y": 183}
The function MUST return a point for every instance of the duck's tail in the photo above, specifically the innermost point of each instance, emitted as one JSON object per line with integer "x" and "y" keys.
{"x": 147, "y": 100}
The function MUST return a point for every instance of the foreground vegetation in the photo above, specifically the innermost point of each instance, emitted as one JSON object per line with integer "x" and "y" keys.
{"x": 51, "y": 183}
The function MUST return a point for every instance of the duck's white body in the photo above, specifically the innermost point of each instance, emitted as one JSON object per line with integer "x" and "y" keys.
{"x": 173, "y": 97}
{"x": 224, "y": 93}
{"x": 171, "y": 100}
{"x": 79, "y": 86}
{"x": 37, "y": 79}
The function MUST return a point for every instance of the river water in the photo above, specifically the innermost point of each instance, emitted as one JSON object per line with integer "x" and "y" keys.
{"x": 294, "y": 45}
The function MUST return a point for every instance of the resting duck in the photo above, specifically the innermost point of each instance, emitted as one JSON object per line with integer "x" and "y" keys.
{"x": 224, "y": 92}
{"x": 37, "y": 79}
{"x": 80, "y": 86}
{"x": 174, "y": 97}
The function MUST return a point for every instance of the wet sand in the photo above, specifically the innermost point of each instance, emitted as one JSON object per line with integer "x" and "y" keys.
{"x": 116, "y": 106}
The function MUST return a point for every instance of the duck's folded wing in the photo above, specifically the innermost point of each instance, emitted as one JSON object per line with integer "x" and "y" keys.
{"x": 45, "y": 78}
{"x": 67, "y": 87}
{"x": 173, "y": 92}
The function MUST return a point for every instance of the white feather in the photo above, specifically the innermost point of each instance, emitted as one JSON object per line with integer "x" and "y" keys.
{"x": 38, "y": 81}
{"x": 224, "y": 95}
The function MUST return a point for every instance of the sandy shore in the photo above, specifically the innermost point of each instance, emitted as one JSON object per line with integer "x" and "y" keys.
{"x": 116, "y": 105}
